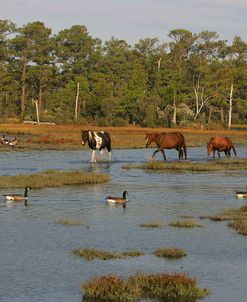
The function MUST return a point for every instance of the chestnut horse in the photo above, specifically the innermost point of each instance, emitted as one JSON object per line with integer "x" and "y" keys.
{"x": 219, "y": 144}
{"x": 172, "y": 140}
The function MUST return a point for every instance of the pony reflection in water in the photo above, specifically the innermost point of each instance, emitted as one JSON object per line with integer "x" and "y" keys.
{"x": 172, "y": 140}
{"x": 221, "y": 144}
{"x": 96, "y": 141}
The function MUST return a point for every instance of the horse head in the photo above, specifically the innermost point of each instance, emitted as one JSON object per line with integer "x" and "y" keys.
{"x": 85, "y": 135}
{"x": 150, "y": 138}
{"x": 210, "y": 148}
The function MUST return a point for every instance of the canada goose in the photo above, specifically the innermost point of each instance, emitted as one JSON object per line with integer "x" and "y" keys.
{"x": 118, "y": 200}
{"x": 13, "y": 142}
{"x": 241, "y": 194}
{"x": 4, "y": 140}
{"x": 18, "y": 197}
{"x": 10, "y": 142}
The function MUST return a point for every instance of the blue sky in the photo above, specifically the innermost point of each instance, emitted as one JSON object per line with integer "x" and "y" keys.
{"x": 132, "y": 20}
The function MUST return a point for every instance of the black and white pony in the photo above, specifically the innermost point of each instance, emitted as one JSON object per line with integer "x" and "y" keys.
{"x": 96, "y": 141}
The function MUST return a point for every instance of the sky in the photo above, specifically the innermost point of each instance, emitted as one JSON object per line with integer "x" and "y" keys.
{"x": 132, "y": 20}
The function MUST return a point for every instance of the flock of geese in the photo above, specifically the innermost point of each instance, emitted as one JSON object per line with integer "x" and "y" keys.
{"x": 110, "y": 199}
{"x": 10, "y": 198}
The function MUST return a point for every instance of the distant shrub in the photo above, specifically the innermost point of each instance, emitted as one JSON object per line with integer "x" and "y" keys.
{"x": 120, "y": 122}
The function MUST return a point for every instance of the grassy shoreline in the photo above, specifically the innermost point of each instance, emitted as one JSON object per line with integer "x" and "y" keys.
{"x": 211, "y": 166}
{"x": 67, "y": 137}
{"x": 52, "y": 178}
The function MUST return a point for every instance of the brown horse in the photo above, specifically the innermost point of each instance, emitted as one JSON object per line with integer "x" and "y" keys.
{"x": 219, "y": 144}
{"x": 172, "y": 140}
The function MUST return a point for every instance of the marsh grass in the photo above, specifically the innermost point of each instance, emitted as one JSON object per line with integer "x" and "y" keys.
{"x": 239, "y": 225}
{"x": 170, "y": 253}
{"x": 165, "y": 287}
{"x": 230, "y": 214}
{"x": 185, "y": 224}
{"x": 64, "y": 137}
{"x": 154, "y": 224}
{"x": 91, "y": 254}
{"x": 237, "y": 218}
{"x": 69, "y": 222}
{"x": 52, "y": 178}
{"x": 211, "y": 166}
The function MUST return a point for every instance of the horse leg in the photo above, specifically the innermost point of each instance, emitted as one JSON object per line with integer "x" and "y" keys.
{"x": 109, "y": 154}
{"x": 159, "y": 150}
{"x": 185, "y": 151}
{"x": 213, "y": 153}
{"x": 219, "y": 154}
{"x": 163, "y": 153}
{"x": 93, "y": 160}
{"x": 234, "y": 151}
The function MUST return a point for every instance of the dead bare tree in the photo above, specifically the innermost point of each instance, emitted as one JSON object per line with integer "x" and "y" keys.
{"x": 230, "y": 109}
{"x": 76, "y": 100}
{"x": 201, "y": 98}
{"x": 36, "y": 103}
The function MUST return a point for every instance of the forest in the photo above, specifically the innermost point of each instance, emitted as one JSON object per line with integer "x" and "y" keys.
{"x": 190, "y": 80}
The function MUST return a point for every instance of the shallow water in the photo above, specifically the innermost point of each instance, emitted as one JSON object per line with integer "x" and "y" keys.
{"x": 36, "y": 263}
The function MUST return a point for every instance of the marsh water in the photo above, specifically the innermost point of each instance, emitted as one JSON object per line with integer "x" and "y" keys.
{"x": 36, "y": 263}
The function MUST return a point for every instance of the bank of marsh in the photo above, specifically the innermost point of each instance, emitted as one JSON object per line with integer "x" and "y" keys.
{"x": 211, "y": 166}
{"x": 52, "y": 178}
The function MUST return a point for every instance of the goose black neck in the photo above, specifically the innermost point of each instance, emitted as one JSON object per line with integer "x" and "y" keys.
{"x": 125, "y": 194}
{"x": 26, "y": 192}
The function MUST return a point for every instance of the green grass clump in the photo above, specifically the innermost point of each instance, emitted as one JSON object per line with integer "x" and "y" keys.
{"x": 165, "y": 287}
{"x": 216, "y": 165}
{"x": 91, "y": 254}
{"x": 184, "y": 224}
{"x": 170, "y": 253}
{"x": 151, "y": 225}
{"x": 52, "y": 178}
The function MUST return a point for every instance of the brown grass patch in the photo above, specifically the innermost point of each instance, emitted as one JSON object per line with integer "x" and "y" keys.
{"x": 161, "y": 287}
{"x": 170, "y": 253}
{"x": 151, "y": 225}
{"x": 91, "y": 254}
{"x": 185, "y": 224}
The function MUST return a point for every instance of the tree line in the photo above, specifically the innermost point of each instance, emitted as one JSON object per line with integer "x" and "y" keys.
{"x": 72, "y": 77}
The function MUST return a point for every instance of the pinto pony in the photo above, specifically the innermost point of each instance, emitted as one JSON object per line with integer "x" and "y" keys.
{"x": 219, "y": 144}
{"x": 172, "y": 140}
{"x": 96, "y": 141}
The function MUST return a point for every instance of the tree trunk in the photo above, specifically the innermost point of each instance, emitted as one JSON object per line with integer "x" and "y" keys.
{"x": 23, "y": 88}
{"x": 40, "y": 97}
{"x": 222, "y": 116}
{"x": 36, "y": 102}
{"x": 210, "y": 115}
{"x": 230, "y": 109}
{"x": 174, "y": 117}
{"x": 159, "y": 62}
{"x": 76, "y": 100}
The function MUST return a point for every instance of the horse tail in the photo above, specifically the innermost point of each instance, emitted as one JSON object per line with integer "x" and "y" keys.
{"x": 108, "y": 140}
